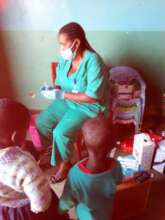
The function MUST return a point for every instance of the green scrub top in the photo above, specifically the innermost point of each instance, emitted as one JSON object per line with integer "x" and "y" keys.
{"x": 91, "y": 194}
{"x": 91, "y": 78}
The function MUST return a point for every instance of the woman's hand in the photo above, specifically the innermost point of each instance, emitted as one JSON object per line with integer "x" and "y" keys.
{"x": 45, "y": 86}
{"x": 53, "y": 94}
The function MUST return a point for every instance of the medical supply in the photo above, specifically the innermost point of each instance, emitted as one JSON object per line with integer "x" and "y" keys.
{"x": 53, "y": 94}
{"x": 129, "y": 164}
{"x": 128, "y": 161}
{"x": 143, "y": 150}
{"x": 46, "y": 86}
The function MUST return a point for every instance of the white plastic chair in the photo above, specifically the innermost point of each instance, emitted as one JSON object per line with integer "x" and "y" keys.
{"x": 124, "y": 75}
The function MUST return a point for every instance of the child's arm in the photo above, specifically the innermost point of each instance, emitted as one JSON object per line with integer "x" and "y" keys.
{"x": 67, "y": 200}
{"x": 35, "y": 186}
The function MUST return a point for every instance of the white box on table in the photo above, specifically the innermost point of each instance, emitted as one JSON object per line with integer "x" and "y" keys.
{"x": 143, "y": 150}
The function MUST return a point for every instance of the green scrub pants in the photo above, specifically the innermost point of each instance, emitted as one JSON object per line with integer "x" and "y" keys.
{"x": 62, "y": 124}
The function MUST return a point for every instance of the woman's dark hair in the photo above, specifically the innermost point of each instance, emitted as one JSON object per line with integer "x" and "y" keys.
{"x": 74, "y": 30}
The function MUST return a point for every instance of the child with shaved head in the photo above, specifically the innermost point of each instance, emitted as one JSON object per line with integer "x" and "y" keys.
{"x": 91, "y": 183}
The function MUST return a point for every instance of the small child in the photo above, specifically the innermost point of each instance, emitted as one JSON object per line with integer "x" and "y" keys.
{"x": 91, "y": 183}
{"x": 24, "y": 191}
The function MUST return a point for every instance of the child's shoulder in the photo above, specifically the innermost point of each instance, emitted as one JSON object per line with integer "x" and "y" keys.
{"x": 10, "y": 153}
{"x": 114, "y": 167}
{"x": 113, "y": 164}
{"x": 74, "y": 171}
{"x": 116, "y": 164}
{"x": 74, "y": 168}
{"x": 13, "y": 153}
{"x": 117, "y": 171}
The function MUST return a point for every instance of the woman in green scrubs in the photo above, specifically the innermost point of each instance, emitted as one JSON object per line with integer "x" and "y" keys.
{"x": 81, "y": 92}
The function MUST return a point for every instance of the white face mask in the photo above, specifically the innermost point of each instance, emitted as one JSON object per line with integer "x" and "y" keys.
{"x": 67, "y": 54}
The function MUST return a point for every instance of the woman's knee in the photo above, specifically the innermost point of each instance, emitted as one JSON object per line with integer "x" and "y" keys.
{"x": 61, "y": 132}
{"x": 42, "y": 123}
{"x": 65, "y": 134}
{"x": 58, "y": 132}
{"x": 39, "y": 121}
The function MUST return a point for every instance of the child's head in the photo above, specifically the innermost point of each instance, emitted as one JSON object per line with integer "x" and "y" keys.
{"x": 96, "y": 133}
{"x": 14, "y": 122}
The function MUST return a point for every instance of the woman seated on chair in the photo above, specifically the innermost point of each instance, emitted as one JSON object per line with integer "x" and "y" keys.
{"x": 81, "y": 93}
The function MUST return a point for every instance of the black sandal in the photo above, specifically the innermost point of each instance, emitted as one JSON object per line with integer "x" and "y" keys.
{"x": 64, "y": 173}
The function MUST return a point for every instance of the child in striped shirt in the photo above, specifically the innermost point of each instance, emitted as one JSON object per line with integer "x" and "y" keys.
{"x": 24, "y": 191}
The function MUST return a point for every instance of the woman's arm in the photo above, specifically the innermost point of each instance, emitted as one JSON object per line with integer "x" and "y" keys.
{"x": 79, "y": 97}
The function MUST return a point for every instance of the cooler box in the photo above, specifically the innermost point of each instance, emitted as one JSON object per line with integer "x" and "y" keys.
{"x": 143, "y": 150}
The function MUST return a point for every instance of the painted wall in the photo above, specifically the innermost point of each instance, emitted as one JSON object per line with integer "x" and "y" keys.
{"x": 129, "y": 32}
{"x": 95, "y": 15}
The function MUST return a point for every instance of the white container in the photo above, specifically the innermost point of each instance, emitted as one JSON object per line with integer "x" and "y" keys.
{"x": 143, "y": 150}
{"x": 160, "y": 158}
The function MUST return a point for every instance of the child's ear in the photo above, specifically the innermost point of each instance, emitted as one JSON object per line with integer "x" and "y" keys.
{"x": 78, "y": 42}
{"x": 14, "y": 137}
{"x": 18, "y": 138}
